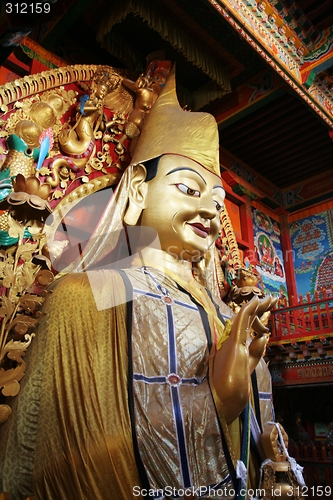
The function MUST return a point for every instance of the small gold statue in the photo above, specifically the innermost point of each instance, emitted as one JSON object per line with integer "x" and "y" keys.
{"x": 281, "y": 475}
{"x": 146, "y": 89}
{"x": 78, "y": 141}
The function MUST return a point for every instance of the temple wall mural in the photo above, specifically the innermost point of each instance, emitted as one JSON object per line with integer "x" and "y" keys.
{"x": 312, "y": 241}
{"x": 268, "y": 253}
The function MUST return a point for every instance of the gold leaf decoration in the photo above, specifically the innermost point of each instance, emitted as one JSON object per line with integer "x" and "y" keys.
{"x": 45, "y": 171}
{"x": 44, "y": 277}
{"x": 58, "y": 194}
{"x": 30, "y": 303}
{"x": 15, "y": 349}
{"x": 9, "y": 380}
{"x": 9, "y": 278}
{"x": 5, "y": 412}
{"x": 26, "y": 248}
{"x": 7, "y": 307}
{"x": 15, "y": 229}
{"x": 21, "y": 324}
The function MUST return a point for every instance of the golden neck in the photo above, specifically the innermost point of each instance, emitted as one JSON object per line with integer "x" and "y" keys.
{"x": 162, "y": 260}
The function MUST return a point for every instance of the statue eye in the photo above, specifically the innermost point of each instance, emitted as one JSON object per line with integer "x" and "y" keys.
{"x": 218, "y": 206}
{"x": 185, "y": 189}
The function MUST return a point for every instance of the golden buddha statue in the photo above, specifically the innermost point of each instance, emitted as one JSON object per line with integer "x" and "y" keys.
{"x": 134, "y": 375}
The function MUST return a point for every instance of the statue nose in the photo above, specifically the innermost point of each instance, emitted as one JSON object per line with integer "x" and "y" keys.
{"x": 207, "y": 208}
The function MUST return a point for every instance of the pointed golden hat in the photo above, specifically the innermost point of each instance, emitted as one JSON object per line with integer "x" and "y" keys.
{"x": 168, "y": 129}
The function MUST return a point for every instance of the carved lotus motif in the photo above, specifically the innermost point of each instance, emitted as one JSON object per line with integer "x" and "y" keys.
{"x": 28, "y": 201}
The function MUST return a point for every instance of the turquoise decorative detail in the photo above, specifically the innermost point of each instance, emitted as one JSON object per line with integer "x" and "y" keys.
{"x": 15, "y": 142}
{"x": 6, "y": 185}
{"x": 7, "y": 241}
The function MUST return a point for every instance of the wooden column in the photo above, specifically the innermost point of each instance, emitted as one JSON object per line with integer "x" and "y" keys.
{"x": 247, "y": 229}
{"x": 288, "y": 256}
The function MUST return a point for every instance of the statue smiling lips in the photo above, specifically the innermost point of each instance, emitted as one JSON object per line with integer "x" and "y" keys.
{"x": 139, "y": 395}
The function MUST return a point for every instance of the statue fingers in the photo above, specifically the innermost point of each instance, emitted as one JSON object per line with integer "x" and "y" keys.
{"x": 259, "y": 327}
{"x": 244, "y": 319}
{"x": 266, "y": 304}
{"x": 265, "y": 317}
{"x": 258, "y": 346}
{"x": 260, "y": 322}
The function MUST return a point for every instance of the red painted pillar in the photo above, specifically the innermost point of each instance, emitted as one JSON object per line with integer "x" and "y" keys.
{"x": 288, "y": 256}
{"x": 247, "y": 229}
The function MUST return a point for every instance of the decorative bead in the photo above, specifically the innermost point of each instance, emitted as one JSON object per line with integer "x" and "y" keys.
{"x": 173, "y": 379}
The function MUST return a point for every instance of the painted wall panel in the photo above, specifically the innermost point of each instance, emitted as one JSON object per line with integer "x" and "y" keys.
{"x": 268, "y": 252}
{"x": 312, "y": 242}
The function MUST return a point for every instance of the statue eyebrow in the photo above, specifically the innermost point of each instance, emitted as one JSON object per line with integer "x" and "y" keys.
{"x": 186, "y": 168}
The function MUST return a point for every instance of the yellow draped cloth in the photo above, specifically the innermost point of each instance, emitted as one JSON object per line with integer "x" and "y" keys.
{"x": 71, "y": 427}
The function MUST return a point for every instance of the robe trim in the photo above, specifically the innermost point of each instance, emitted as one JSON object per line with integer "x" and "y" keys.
{"x": 139, "y": 377}
{"x": 129, "y": 314}
{"x": 256, "y": 433}
{"x": 256, "y": 397}
{"x": 176, "y": 402}
{"x": 265, "y": 396}
{"x": 205, "y": 322}
{"x": 222, "y": 317}
{"x": 161, "y": 297}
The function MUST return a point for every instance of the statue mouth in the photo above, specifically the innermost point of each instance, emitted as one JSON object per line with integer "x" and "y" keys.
{"x": 200, "y": 229}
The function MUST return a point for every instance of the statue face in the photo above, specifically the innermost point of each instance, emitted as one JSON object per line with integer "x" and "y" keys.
{"x": 101, "y": 91}
{"x": 182, "y": 204}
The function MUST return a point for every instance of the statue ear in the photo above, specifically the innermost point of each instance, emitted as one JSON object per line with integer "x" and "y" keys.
{"x": 136, "y": 195}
